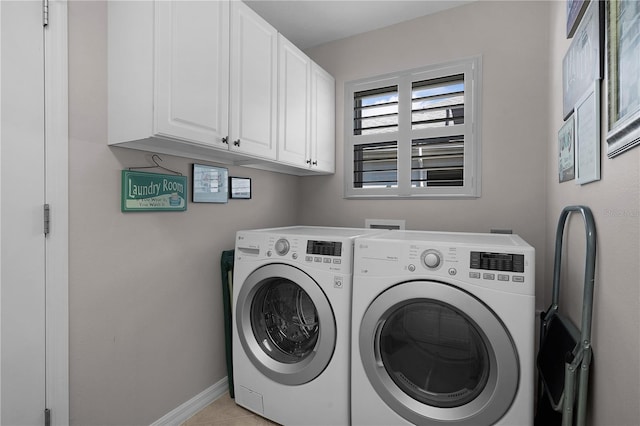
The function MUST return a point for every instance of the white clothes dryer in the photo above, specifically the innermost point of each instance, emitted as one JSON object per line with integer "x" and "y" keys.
{"x": 443, "y": 330}
{"x": 292, "y": 323}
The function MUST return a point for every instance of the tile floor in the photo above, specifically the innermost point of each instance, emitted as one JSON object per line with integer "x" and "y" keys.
{"x": 224, "y": 412}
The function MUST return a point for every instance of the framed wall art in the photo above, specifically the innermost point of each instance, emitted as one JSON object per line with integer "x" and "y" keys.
{"x": 587, "y": 136}
{"x": 210, "y": 184}
{"x": 623, "y": 69}
{"x": 566, "y": 150}
{"x": 239, "y": 188}
{"x": 583, "y": 62}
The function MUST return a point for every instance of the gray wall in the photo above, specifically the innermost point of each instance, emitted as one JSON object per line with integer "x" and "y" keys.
{"x": 514, "y": 119}
{"x": 615, "y": 202}
{"x": 145, "y": 310}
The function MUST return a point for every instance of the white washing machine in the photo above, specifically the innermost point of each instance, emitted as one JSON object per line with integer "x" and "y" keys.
{"x": 443, "y": 330}
{"x": 292, "y": 323}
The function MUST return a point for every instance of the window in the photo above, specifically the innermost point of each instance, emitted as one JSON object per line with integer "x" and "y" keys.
{"x": 414, "y": 133}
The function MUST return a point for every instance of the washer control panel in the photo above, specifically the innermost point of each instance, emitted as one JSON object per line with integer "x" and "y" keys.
{"x": 325, "y": 254}
{"x": 324, "y": 248}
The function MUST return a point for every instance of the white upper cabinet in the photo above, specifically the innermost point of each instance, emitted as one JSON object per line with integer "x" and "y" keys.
{"x": 306, "y": 103}
{"x": 294, "y": 101}
{"x": 323, "y": 120}
{"x": 254, "y": 83}
{"x": 192, "y": 70}
{"x": 168, "y": 77}
{"x": 208, "y": 80}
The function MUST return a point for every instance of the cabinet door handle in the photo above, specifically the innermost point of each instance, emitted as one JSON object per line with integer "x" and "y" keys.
{"x": 225, "y": 140}
{"x": 236, "y": 142}
{"x": 309, "y": 161}
{"x": 315, "y": 163}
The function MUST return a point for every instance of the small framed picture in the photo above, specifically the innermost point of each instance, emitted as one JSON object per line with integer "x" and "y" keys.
{"x": 210, "y": 184}
{"x": 240, "y": 187}
{"x": 566, "y": 150}
{"x": 587, "y": 136}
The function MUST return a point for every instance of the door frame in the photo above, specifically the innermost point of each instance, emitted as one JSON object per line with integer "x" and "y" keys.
{"x": 57, "y": 196}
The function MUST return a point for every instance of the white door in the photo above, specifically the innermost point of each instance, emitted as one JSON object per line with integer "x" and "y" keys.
{"x": 32, "y": 173}
{"x": 22, "y": 196}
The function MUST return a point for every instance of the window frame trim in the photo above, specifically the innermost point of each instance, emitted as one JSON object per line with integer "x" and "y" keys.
{"x": 471, "y": 68}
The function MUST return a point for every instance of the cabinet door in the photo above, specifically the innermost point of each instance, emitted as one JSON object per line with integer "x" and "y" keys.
{"x": 254, "y": 80}
{"x": 294, "y": 104}
{"x": 191, "y": 88}
{"x": 323, "y": 139}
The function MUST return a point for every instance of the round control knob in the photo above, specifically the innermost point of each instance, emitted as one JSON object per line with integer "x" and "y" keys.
{"x": 431, "y": 259}
{"x": 282, "y": 246}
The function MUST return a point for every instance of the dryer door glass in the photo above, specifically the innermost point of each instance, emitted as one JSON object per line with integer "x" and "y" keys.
{"x": 437, "y": 354}
{"x": 434, "y": 353}
{"x": 284, "y": 320}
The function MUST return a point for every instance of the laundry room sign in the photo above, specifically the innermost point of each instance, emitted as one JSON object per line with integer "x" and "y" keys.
{"x": 143, "y": 191}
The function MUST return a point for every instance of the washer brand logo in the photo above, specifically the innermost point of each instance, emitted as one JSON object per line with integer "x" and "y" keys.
{"x": 364, "y": 246}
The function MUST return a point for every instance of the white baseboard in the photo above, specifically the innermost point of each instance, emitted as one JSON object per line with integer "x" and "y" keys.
{"x": 184, "y": 412}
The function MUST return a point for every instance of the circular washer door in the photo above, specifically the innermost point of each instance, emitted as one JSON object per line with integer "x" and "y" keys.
{"x": 433, "y": 353}
{"x": 285, "y": 324}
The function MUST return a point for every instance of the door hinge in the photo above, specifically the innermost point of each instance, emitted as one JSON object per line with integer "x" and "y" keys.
{"x": 47, "y": 213}
{"x": 47, "y": 417}
{"x": 45, "y": 13}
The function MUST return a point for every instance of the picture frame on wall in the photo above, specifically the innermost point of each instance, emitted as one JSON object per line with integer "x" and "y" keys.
{"x": 623, "y": 69}
{"x": 583, "y": 63}
{"x": 210, "y": 184}
{"x": 575, "y": 11}
{"x": 587, "y": 136}
{"x": 240, "y": 188}
{"x": 566, "y": 150}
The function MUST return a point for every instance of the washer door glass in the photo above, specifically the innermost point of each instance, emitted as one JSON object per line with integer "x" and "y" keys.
{"x": 284, "y": 320}
{"x": 434, "y": 353}
{"x": 285, "y": 324}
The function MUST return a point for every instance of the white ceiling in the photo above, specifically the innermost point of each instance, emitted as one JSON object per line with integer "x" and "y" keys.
{"x": 309, "y": 23}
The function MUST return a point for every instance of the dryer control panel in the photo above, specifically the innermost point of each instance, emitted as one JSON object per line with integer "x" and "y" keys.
{"x": 505, "y": 263}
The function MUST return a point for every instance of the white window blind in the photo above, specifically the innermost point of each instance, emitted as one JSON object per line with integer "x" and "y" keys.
{"x": 415, "y": 133}
{"x": 376, "y": 111}
{"x": 376, "y": 165}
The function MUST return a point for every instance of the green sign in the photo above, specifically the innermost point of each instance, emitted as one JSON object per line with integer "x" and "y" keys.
{"x": 142, "y": 191}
